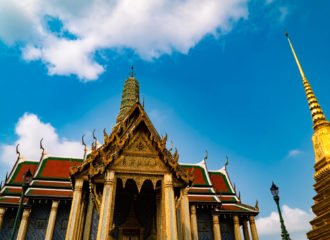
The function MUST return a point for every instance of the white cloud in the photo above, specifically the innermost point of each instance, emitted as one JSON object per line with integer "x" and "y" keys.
{"x": 284, "y": 12}
{"x": 294, "y": 153}
{"x": 296, "y": 222}
{"x": 30, "y": 129}
{"x": 149, "y": 27}
{"x": 269, "y": 1}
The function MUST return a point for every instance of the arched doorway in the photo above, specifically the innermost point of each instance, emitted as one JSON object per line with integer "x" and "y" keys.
{"x": 135, "y": 211}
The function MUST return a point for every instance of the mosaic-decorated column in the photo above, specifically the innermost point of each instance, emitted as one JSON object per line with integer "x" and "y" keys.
{"x": 246, "y": 230}
{"x": 159, "y": 215}
{"x": 193, "y": 221}
{"x": 24, "y": 225}
{"x": 170, "y": 214}
{"x": 71, "y": 233}
{"x": 216, "y": 228}
{"x": 89, "y": 218}
{"x": 253, "y": 228}
{"x": 2, "y": 215}
{"x": 185, "y": 216}
{"x": 51, "y": 221}
{"x": 106, "y": 210}
{"x": 237, "y": 230}
{"x": 81, "y": 216}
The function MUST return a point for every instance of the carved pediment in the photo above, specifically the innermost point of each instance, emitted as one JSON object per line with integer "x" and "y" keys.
{"x": 134, "y": 146}
{"x": 139, "y": 164}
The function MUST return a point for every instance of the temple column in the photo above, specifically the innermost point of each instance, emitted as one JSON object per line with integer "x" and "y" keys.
{"x": 170, "y": 214}
{"x": 193, "y": 221}
{"x": 237, "y": 230}
{"x": 253, "y": 228}
{"x": 24, "y": 224}
{"x": 185, "y": 216}
{"x": 216, "y": 228}
{"x": 81, "y": 217}
{"x": 159, "y": 221}
{"x": 2, "y": 215}
{"x": 89, "y": 218}
{"x": 71, "y": 232}
{"x": 51, "y": 221}
{"x": 246, "y": 230}
{"x": 106, "y": 210}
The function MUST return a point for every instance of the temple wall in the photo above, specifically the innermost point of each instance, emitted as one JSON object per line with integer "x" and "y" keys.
{"x": 8, "y": 223}
{"x": 227, "y": 229}
{"x": 38, "y": 220}
{"x": 204, "y": 223}
{"x": 62, "y": 220}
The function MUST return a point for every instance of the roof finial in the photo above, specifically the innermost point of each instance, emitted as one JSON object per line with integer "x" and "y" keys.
{"x": 206, "y": 155}
{"x": 105, "y": 135}
{"x": 94, "y": 143}
{"x": 227, "y": 161}
{"x": 18, "y": 152}
{"x": 132, "y": 73}
{"x": 257, "y": 205}
{"x": 42, "y": 148}
{"x": 318, "y": 116}
{"x": 85, "y": 146}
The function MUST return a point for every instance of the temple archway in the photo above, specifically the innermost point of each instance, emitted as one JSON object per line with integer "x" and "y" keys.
{"x": 134, "y": 211}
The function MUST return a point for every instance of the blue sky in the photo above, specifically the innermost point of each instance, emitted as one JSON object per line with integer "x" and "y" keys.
{"x": 223, "y": 80}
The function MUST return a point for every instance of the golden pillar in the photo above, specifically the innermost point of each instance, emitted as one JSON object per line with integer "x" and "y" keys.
{"x": 179, "y": 218}
{"x": 185, "y": 216}
{"x": 253, "y": 228}
{"x": 106, "y": 210}
{"x": 21, "y": 235}
{"x": 51, "y": 221}
{"x": 89, "y": 218}
{"x": 170, "y": 214}
{"x": 237, "y": 230}
{"x": 159, "y": 215}
{"x": 216, "y": 228}
{"x": 81, "y": 217}
{"x": 246, "y": 230}
{"x": 193, "y": 220}
{"x": 2, "y": 215}
{"x": 71, "y": 232}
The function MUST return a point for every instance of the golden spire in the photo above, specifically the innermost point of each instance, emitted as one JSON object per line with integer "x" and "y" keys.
{"x": 318, "y": 116}
{"x": 130, "y": 95}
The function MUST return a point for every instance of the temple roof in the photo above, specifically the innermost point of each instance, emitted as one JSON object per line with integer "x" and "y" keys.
{"x": 51, "y": 179}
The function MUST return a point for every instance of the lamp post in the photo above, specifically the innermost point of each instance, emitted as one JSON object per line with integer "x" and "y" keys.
{"x": 27, "y": 177}
{"x": 274, "y": 190}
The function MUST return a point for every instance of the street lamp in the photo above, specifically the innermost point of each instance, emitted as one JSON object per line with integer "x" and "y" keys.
{"x": 274, "y": 190}
{"x": 27, "y": 178}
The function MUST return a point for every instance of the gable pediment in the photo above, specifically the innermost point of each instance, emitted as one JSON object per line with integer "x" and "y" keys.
{"x": 140, "y": 156}
{"x": 134, "y": 146}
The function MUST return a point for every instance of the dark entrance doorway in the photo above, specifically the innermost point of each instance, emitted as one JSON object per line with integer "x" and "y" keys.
{"x": 134, "y": 213}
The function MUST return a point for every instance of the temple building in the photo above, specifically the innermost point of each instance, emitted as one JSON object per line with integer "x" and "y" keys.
{"x": 132, "y": 187}
{"x": 321, "y": 144}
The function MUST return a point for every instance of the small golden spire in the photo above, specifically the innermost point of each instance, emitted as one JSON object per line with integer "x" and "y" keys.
{"x": 130, "y": 95}
{"x": 318, "y": 116}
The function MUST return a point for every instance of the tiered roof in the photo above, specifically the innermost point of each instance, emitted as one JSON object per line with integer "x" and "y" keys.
{"x": 51, "y": 179}
{"x": 215, "y": 188}
{"x": 201, "y": 190}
